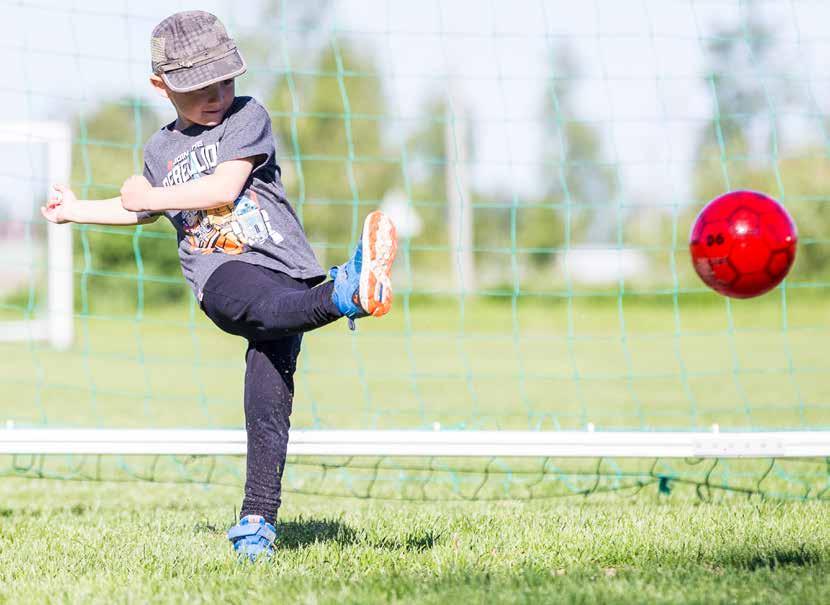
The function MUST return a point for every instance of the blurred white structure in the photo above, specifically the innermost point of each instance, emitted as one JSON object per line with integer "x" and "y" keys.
{"x": 459, "y": 202}
{"x": 599, "y": 266}
{"x": 398, "y": 208}
{"x": 487, "y": 444}
{"x": 34, "y": 155}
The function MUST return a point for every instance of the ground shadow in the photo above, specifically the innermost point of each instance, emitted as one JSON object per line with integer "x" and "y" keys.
{"x": 303, "y": 532}
{"x": 801, "y": 556}
{"x": 413, "y": 541}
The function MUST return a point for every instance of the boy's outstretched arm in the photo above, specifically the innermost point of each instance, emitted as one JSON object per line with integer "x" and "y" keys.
{"x": 64, "y": 207}
{"x": 137, "y": 195}
{"x": 212, "y": 190}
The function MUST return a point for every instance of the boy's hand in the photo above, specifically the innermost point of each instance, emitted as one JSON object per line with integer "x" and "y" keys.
{"x": 60, "y": 204}
{"x": 134, "y": 193}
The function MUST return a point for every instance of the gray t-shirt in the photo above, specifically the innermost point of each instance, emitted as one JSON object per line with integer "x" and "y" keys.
{"x": 260, "y": 227}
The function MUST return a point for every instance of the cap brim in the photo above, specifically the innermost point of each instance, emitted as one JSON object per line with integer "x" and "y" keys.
{"x": 194, "y": 78}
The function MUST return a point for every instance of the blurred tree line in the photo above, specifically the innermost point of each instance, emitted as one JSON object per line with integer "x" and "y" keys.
{"x": 342, "y": 152}
{"x": 742, "y": 146}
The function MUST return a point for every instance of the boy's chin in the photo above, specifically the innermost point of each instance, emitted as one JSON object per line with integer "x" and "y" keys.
{"x": 212, "y": 118}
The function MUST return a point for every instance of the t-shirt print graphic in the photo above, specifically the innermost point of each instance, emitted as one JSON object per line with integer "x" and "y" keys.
{"x": 251, "y": 223}
{"x": 230, "y": 228}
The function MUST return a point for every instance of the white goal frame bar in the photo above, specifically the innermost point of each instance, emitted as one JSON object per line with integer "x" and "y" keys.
{"x": 57, "y": 327}
{"x": 439, "y": 443}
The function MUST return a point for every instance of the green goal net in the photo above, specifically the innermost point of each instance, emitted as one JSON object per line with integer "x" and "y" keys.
{"x": 543, "y": 162}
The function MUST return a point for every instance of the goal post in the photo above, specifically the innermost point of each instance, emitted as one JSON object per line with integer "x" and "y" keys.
{"x": 40, "y": 153}
{"x": 428, "y": 444}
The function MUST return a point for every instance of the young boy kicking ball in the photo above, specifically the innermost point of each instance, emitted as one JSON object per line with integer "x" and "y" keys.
{"x": 212, "y": 173}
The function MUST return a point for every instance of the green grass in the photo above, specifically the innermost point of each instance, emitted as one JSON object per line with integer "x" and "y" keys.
{"x": 545, "y": 363}
{"x": 68, "y": 542}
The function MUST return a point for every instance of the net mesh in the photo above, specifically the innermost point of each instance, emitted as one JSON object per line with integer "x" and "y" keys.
{"x": 543, "y": 163}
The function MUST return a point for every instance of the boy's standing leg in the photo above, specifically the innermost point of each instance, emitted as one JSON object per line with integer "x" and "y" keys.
{"x": 271, "y": 311}
{"x": 269, "y": 394}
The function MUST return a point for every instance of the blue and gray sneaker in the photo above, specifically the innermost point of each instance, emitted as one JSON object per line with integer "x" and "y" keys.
{"x": 363, "y": 285}
{"x": 253, "y": 537}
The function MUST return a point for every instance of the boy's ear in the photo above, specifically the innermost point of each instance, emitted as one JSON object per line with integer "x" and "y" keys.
{"x": 159, "y": 85}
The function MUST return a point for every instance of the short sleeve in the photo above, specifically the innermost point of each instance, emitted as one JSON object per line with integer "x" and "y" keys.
{"x": 148, "y": 174}
{"x": 248, "y": 134}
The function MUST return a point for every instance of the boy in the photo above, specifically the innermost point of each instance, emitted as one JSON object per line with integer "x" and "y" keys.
{"x": 212, "y": 173}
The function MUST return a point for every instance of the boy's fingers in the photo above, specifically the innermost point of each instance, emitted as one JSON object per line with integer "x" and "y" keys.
{"x": 55, "y": 196}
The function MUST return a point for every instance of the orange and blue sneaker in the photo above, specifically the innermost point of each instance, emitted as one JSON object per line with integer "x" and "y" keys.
{"x": 363, "y": 284}
{"x": 253, "y": 537}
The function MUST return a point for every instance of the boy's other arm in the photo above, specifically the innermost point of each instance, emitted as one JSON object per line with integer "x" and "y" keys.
{"x": 64, "y": 207}
{"x": 212, "y": 190}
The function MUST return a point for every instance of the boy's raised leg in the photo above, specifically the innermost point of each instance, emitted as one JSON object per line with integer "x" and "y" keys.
{"x": 259, "y": 304}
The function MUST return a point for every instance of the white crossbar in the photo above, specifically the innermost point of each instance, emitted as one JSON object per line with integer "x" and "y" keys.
{"x": 575, "y": 444}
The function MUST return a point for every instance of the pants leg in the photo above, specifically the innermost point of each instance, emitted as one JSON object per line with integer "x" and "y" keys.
{"x": 260, "y": 304}
{"x": 269, "y": 394}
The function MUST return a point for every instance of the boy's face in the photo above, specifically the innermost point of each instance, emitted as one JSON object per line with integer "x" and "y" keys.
{"x": 206, "y": 106}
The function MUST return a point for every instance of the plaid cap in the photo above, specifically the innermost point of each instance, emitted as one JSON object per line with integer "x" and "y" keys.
{"x": 191, "y": 50}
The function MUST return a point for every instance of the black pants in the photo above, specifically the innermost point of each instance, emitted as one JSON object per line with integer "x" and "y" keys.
{"x": 271, "y": 310}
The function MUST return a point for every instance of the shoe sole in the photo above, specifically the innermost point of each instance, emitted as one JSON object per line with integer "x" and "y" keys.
{"x": 380, "y": 244}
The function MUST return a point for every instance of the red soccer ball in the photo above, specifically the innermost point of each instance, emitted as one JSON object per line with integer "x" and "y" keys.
{"x": 743, "y": 244}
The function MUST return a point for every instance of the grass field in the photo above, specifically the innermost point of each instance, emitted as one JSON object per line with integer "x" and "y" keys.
{"x": 649, "y": 364}
{"x": 113, "y": 543}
